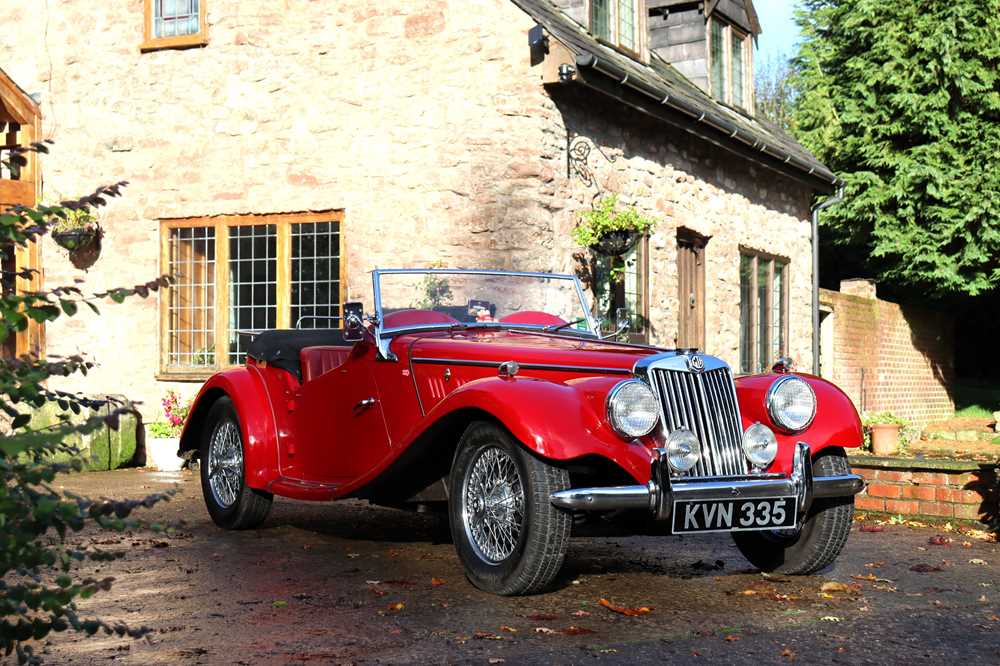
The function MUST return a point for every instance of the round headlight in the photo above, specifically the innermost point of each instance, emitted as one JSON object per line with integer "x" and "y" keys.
{"x": 632, "y": 409}
{"x": 683, "y": 449}
{"x": 759, "y": 445}
{"x": 791, "y": 403}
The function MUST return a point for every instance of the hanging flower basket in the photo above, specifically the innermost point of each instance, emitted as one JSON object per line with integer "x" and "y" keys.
{"x": 76, "y": 239}
{"x": 615, "y": 243}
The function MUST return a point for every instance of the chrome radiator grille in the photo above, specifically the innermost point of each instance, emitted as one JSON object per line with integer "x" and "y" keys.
{"x": 705, "y": 404}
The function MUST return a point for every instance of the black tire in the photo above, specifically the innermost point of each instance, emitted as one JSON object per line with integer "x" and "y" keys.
{"x": 537, "y": 553}
{"x": 821, "y": 538}
{"x": 248, "y": 507}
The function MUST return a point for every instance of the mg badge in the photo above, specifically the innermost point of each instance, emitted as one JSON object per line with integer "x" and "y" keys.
{"x": 696, "y": 363}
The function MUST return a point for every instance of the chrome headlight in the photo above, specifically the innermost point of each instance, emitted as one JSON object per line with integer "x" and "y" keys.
{"x": 791, "y": 403}
{"x": 760, "y": 445}
{"x": 683, "y": 449}
{"x": 632, "y": 409}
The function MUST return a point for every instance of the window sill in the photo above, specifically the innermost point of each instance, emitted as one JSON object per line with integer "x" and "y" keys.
{"x": 185, "y": 375}
{"x": 182, "y": 42}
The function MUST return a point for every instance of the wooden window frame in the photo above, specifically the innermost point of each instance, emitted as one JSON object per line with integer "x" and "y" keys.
{"x": 221, "y": 224}
{"x": 639, "y": 52}
{"x": 756, "y": 257}
{"x": 727, "y": 55}
{"x": 153, "y": 43}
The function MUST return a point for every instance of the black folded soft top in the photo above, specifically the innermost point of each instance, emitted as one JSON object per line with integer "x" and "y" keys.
{"x": 281, "y": 348}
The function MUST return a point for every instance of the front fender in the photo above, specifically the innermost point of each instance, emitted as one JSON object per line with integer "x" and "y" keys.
{"x": 555, "y": 420}
{"x": 836, "y": 424}
{"x": 245, "y": 387}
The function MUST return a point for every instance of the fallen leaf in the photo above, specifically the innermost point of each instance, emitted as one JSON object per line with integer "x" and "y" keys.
{"x": 874, "y": 565}
{"x": 871, "y": 577}
{"x": 831, "y": 618}
{"x": 497, "y": 660}
{"x": 939, "y": 540}
{"x": 578, "y": 631}
{"x": 486, "y": 636}
{"x": 509, "y": 630}
{"x": 624, "y": 610}
{"x": 437, "y": 581}
{"x": 841, "y": 650}
{"x": 543, "y": 617}
{"x": 925, "y": 568}
{"x": 279, "y": 603}
{"x": 378, "y": 592}
{"x": 978, "y": 561}
{"x": 396, "y": 607}
{"x": 580, "y": 613}
{"x": 966, "y": 544}
{"x": 983, "y": 599}
{"x": 747, "y": 593}
{"x": 833, "y": 586}
{"x": 732, "y": 638}
{"x": 544, "y": 630}
{"x": 373, "y": 582}
{"x": 788, "y": 654}
{"x": 608, "y": 651}
{"x": 353, "y": 555}
{"x": 872, "y": 528}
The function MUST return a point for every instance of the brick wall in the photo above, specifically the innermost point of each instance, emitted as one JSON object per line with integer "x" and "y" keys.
{"x": 893, "y": 358}
{"x": 945, "y": 493}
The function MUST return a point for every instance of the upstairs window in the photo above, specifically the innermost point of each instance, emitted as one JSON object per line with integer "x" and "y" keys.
{"x": 729, "y": 60}
{"x": 617, "y": 23}
{"x": 174, "y": 24}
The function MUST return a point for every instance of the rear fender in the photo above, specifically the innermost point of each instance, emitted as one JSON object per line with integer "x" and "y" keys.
{"x": 245, "y": 387}
{"x": 559, "y": 421}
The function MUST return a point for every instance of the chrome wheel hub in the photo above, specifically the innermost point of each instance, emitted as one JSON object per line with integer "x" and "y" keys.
{"x": 493, "y": 505}
{"x": 225, "y": 464}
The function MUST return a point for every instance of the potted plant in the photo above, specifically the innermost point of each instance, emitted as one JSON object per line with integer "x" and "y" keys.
{"x": 164, "y": 436}
{"x": 610, "y": 230}
{"x": 883, "y": 430}
{"x": 78, "y": 232}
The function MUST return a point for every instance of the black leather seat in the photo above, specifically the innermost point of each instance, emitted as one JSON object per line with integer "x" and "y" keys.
{"x": 283, "y": 348}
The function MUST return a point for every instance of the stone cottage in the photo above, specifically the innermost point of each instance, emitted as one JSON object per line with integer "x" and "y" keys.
{"x": 277, "y": 152}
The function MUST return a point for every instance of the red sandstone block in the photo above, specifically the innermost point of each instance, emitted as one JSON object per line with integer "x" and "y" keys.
{"x": 937, "y": 509}
{"x": 958, "y": 496}
{"x": 866, "y": 472}
{"x": 890, "y": 475}
{"x": 909, "y": 507}
{"x": 931, "y": 478}
{"x": 967, "y": 511}
{"x": 865, "y": 503}
{"x": 926, "y": 493}
{"x": 884, "y": 490}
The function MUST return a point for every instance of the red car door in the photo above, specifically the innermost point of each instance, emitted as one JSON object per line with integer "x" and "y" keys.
{"x": 341, "y": 431}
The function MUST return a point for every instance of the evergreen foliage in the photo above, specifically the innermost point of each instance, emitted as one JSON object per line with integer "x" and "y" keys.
{"x": 902, "y": 100}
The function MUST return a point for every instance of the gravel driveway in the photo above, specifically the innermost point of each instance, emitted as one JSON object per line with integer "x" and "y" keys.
{"x": 348, "y": 583}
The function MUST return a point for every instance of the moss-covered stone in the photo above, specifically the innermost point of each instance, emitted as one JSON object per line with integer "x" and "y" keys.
{"x": 103, "y": 449}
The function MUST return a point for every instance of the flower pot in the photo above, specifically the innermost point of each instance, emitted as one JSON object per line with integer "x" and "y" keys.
{"x": 615, "y": 243}
{"x": 885, "y": 438}
{"x": 75, "y": 239}
{"x": 161, "y": 453}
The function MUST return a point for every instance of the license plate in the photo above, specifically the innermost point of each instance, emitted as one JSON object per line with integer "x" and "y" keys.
{"x": 733, "y": 515}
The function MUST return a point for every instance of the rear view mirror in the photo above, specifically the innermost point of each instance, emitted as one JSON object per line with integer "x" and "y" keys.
{"x": 353, "y": 321}
{"x": 623, "y": 322}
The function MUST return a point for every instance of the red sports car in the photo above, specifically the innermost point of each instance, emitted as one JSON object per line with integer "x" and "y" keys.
{"x": 492, "y": 394}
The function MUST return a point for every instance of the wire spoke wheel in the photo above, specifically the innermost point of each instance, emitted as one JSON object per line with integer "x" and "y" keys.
{"x": 225, "y": 464}
{"x": 493, "y": 505}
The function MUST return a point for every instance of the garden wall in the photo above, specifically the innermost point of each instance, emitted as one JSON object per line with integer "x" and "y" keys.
{"x": 889, "y": 357}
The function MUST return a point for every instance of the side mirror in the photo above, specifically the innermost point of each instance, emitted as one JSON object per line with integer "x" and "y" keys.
{"x": 353, "y": 322}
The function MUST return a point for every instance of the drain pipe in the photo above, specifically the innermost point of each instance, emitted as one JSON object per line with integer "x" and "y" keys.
{"x": 829, "y": 201}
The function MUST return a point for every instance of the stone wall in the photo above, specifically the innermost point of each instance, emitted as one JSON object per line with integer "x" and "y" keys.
{"x": 423, "y": 121}
{"x": 893, "y": 358}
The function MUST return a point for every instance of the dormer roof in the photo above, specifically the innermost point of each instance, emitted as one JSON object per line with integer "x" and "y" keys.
{"x": 659, "y": 90}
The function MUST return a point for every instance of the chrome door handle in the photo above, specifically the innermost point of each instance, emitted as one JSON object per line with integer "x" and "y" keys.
{"x": 363, "y": 405}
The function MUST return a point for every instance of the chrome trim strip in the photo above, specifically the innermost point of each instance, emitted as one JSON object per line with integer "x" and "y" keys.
{"x": 523, "y": 366}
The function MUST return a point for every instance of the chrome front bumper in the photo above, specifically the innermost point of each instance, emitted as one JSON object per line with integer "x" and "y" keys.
{"x": 659, "y": 495}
